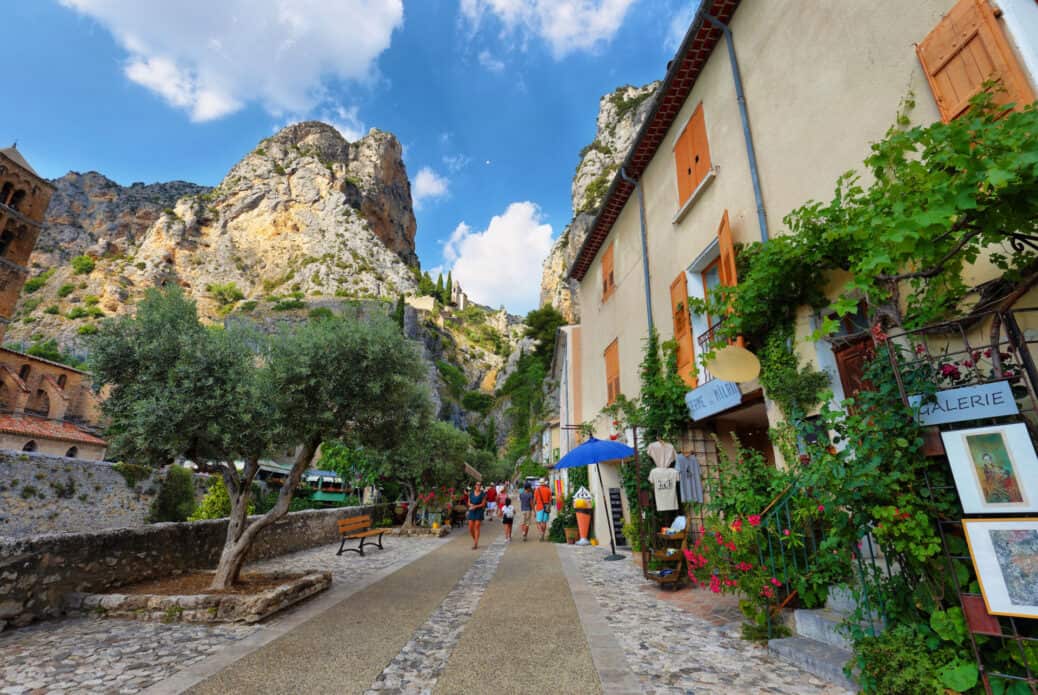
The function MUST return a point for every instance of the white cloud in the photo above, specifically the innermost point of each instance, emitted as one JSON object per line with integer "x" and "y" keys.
{"x": 678, "y": 25}
{"x": 566, "y": 25}
{"x": 490, "y": 62}
{"x": 428, "y": 185}
{"x": 456, "y": 162}
{"x": 346, "y": 121}
{"x": 212, "y": 58}
{"x": 501, "y": 265}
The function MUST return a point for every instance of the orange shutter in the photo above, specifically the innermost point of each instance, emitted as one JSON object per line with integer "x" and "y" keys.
{"x": 682, "y": 328}
{"x": 726, "y": 264}
{"x": 965, "y": 49}
{"x": 683, "y": 165}
{"x": 607, "y": 273}
{"x": 612, "y": 365}
{"x": 700, "y": 147}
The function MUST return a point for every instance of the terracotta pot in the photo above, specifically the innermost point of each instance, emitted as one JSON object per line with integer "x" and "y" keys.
{"x": 571, "y": 535}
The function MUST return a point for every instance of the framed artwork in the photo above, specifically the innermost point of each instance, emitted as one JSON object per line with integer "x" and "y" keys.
{"x": 995, "y": 468}
{"x": 1005, "y": 556}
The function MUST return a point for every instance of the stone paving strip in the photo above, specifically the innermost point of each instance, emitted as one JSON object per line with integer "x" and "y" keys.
{"x": 419, "y": 664}
{"x": 673, "y": 652}
{"x": 98, "y": 655}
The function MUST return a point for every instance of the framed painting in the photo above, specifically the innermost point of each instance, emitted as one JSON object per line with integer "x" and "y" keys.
{"x": 995, "y": 468}
{"x": 1005, "y": 556}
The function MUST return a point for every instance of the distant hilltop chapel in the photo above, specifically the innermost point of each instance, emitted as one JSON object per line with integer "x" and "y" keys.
{"x": 45, "y": 406}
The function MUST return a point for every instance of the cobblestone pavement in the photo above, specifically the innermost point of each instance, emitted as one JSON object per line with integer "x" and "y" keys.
{"x": 97, "y": 655}
{"x": 420, "y": 663}
{"x": 676, "y": 652}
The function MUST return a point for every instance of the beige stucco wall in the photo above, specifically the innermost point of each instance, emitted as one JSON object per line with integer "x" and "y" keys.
{"x": 52, "y": 447}
{"x": 822, "y": 81}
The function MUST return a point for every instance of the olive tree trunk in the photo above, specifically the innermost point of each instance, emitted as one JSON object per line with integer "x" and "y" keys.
{"x": 412, "y": 502}
{"x": 241, "y": 534}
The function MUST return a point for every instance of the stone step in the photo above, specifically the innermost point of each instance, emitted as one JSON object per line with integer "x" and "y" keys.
{"x": 840, "y": 599}
{"x": 818, "y": 658}
{"x": 822, "y": 625}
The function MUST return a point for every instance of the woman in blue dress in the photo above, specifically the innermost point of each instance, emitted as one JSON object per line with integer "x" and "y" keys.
{"x": 477, "y": 503}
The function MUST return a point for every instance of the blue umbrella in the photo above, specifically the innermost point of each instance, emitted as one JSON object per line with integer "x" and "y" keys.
{"x": 597, "y": 451}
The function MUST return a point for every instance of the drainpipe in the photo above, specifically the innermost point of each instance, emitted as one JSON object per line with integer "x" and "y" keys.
{"x": 741, "y": 98}
{"x": 645, "y": 244}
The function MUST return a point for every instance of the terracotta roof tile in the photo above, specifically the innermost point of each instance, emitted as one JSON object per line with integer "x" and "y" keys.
{"x": 32, "y": 426}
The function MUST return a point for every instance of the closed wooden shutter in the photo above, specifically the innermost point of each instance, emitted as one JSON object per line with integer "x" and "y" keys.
{"x": 691, "y": 155}
{"x": 682, "y": 328}
{"x": 726, "y": 247}
{"x": 612, "y": 366}
{"x": 608, "y": 282}
{"x": 963, "y": 51}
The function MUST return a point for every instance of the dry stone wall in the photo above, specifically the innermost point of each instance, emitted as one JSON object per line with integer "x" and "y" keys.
{"x": 53, "y": 494}
{"x": 37, "y": 573}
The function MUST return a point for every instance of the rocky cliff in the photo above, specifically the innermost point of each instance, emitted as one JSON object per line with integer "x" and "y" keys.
{"x": 620, "y": 115}
{"x": 305, "y": 214}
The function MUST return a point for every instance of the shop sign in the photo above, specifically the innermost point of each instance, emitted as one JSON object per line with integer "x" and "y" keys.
{"x": 966, "y": 403}
{"x": 712, "y": 397}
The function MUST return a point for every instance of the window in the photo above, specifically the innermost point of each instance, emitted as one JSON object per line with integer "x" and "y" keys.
{"x": 30, "y": 445}
{"x": 691, "y": 156}
{"x": 612, "y": 367}
{"x": 72, "y": 453}
{"x": 682, "y": 328}
{"x": 24, "y": 372}
{"x": 62, "y": 380}
{"x": 965, "y": 49}
{"x": 608, "y": 276}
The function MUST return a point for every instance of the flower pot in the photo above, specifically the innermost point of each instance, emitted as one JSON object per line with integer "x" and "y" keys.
{"x": 571, "y": 535}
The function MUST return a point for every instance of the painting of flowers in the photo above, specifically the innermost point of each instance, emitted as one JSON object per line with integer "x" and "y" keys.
{"x": 1005, "y": 556}
{"x": 995, "y": 468}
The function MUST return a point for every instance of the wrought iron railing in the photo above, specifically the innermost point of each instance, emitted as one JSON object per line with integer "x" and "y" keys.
{"x": 705, "y": 342}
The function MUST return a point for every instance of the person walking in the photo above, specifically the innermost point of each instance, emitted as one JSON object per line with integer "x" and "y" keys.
{"x": 491, "y": 501}
{"x": 502, "y": 492}
{"x": 477, "y": 502}
{"x": 507, "y": 517}
{"x": 526, "y": 508}
{"x": 542, "y": 505}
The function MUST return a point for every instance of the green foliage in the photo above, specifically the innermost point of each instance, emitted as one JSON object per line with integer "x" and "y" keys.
{"x": 567, "y": 518}
{"x": 426, "y": 287}
{"x": 321, "y": 313}
{"x": 132, "y": 473}
{"x": 795, "y": 388}
{"x": 52, "y": 310}
{"x": 398, "y": 312}
{"x": 77, "y": 312}
{"x": 91, "y": 299}
{"x": 226, "y": 293}
{"x": 49, "y": 350}
{"x": 477, "y": 402}
{"x": 176, "y": 498}
{"x": 662, "y": 409}
{"x": 524, "y": 389}
{"x": 35, "y": 283}
{"x": 597, "y": 189}
{"x": 542, "y": 325}
{"x": 624, "y": 104}
{"x": 907, "y": 659}
{"x": 216, "y": 504}
{"x": 248, "y": 306}
{"x": 87, "y": 329}
{"x": 453, "y": 377}
{"x": 289, "y": 305}
{"x": 82, "y": 265}
{"x": 65, "y": 290}
{"x": 448, "y": 288}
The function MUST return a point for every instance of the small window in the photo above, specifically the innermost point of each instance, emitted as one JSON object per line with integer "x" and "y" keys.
{"x": 72, "y": 453}
{"x": 30, "y": 445}
{"x": 966, "y": 49}
{"x": 62, "y": 380}
{"x": 608, "y": 273}
{"x": 612, "y": 368}
{"x": 24, "y": 371}
{"x": 691, "y": 156}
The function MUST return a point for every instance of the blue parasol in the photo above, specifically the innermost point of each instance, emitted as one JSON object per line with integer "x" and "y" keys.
{"x": 598, "y": 451}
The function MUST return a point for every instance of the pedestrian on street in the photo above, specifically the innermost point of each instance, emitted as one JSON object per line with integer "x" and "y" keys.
{"x": 507, "y": 517}
{"x": 542, "y": 505}
{"x": 501, "y": 494}
{"x": 477, "y": 502}
{"x": 491, "y": 501}
{"x": 526, "y": 508}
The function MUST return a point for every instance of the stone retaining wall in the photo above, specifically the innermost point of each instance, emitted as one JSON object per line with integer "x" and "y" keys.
{"x": 54, "y": 494}
{"x": 36, "y": 573}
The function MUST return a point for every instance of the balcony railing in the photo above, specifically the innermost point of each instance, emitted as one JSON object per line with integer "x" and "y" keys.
{"x": 705, "y": 342}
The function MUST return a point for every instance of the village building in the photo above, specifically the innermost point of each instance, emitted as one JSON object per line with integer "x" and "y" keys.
{"x": 763, "y": 107}
{"x": 45, "y": 406}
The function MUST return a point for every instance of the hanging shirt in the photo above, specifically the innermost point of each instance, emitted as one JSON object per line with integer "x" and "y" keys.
{"x": 665, "y": 483}
{"x": 661, "y": 453}
{"x": 690, "y": 477}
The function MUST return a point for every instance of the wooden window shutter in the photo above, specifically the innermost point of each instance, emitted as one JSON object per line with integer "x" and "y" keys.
{"x": 683, "y": 165}
{"x": 608, "y": 281}
{"x": 700, "y": 146}
{"x": 965, "y": 49}
{"x": 726, "y": 247}
{"x": 612, "y": 365}
{"x": 682, "y": 328}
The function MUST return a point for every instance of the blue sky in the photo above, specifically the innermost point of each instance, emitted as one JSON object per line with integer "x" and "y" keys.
{"x": 492, "y": 99}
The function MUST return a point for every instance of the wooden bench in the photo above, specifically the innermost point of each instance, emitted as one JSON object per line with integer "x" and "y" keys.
{"x": 358, "y": 528}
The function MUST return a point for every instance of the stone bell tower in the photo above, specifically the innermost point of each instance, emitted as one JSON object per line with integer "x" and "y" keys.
{"x": 24, "y": 197}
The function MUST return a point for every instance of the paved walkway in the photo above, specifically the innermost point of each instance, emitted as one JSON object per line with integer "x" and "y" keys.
{"x": 424, "y": 616}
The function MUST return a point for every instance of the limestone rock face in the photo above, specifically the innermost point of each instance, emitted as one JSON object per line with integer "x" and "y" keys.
{"x": 620, "y": 116}
{"x": 306, "y": 214}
